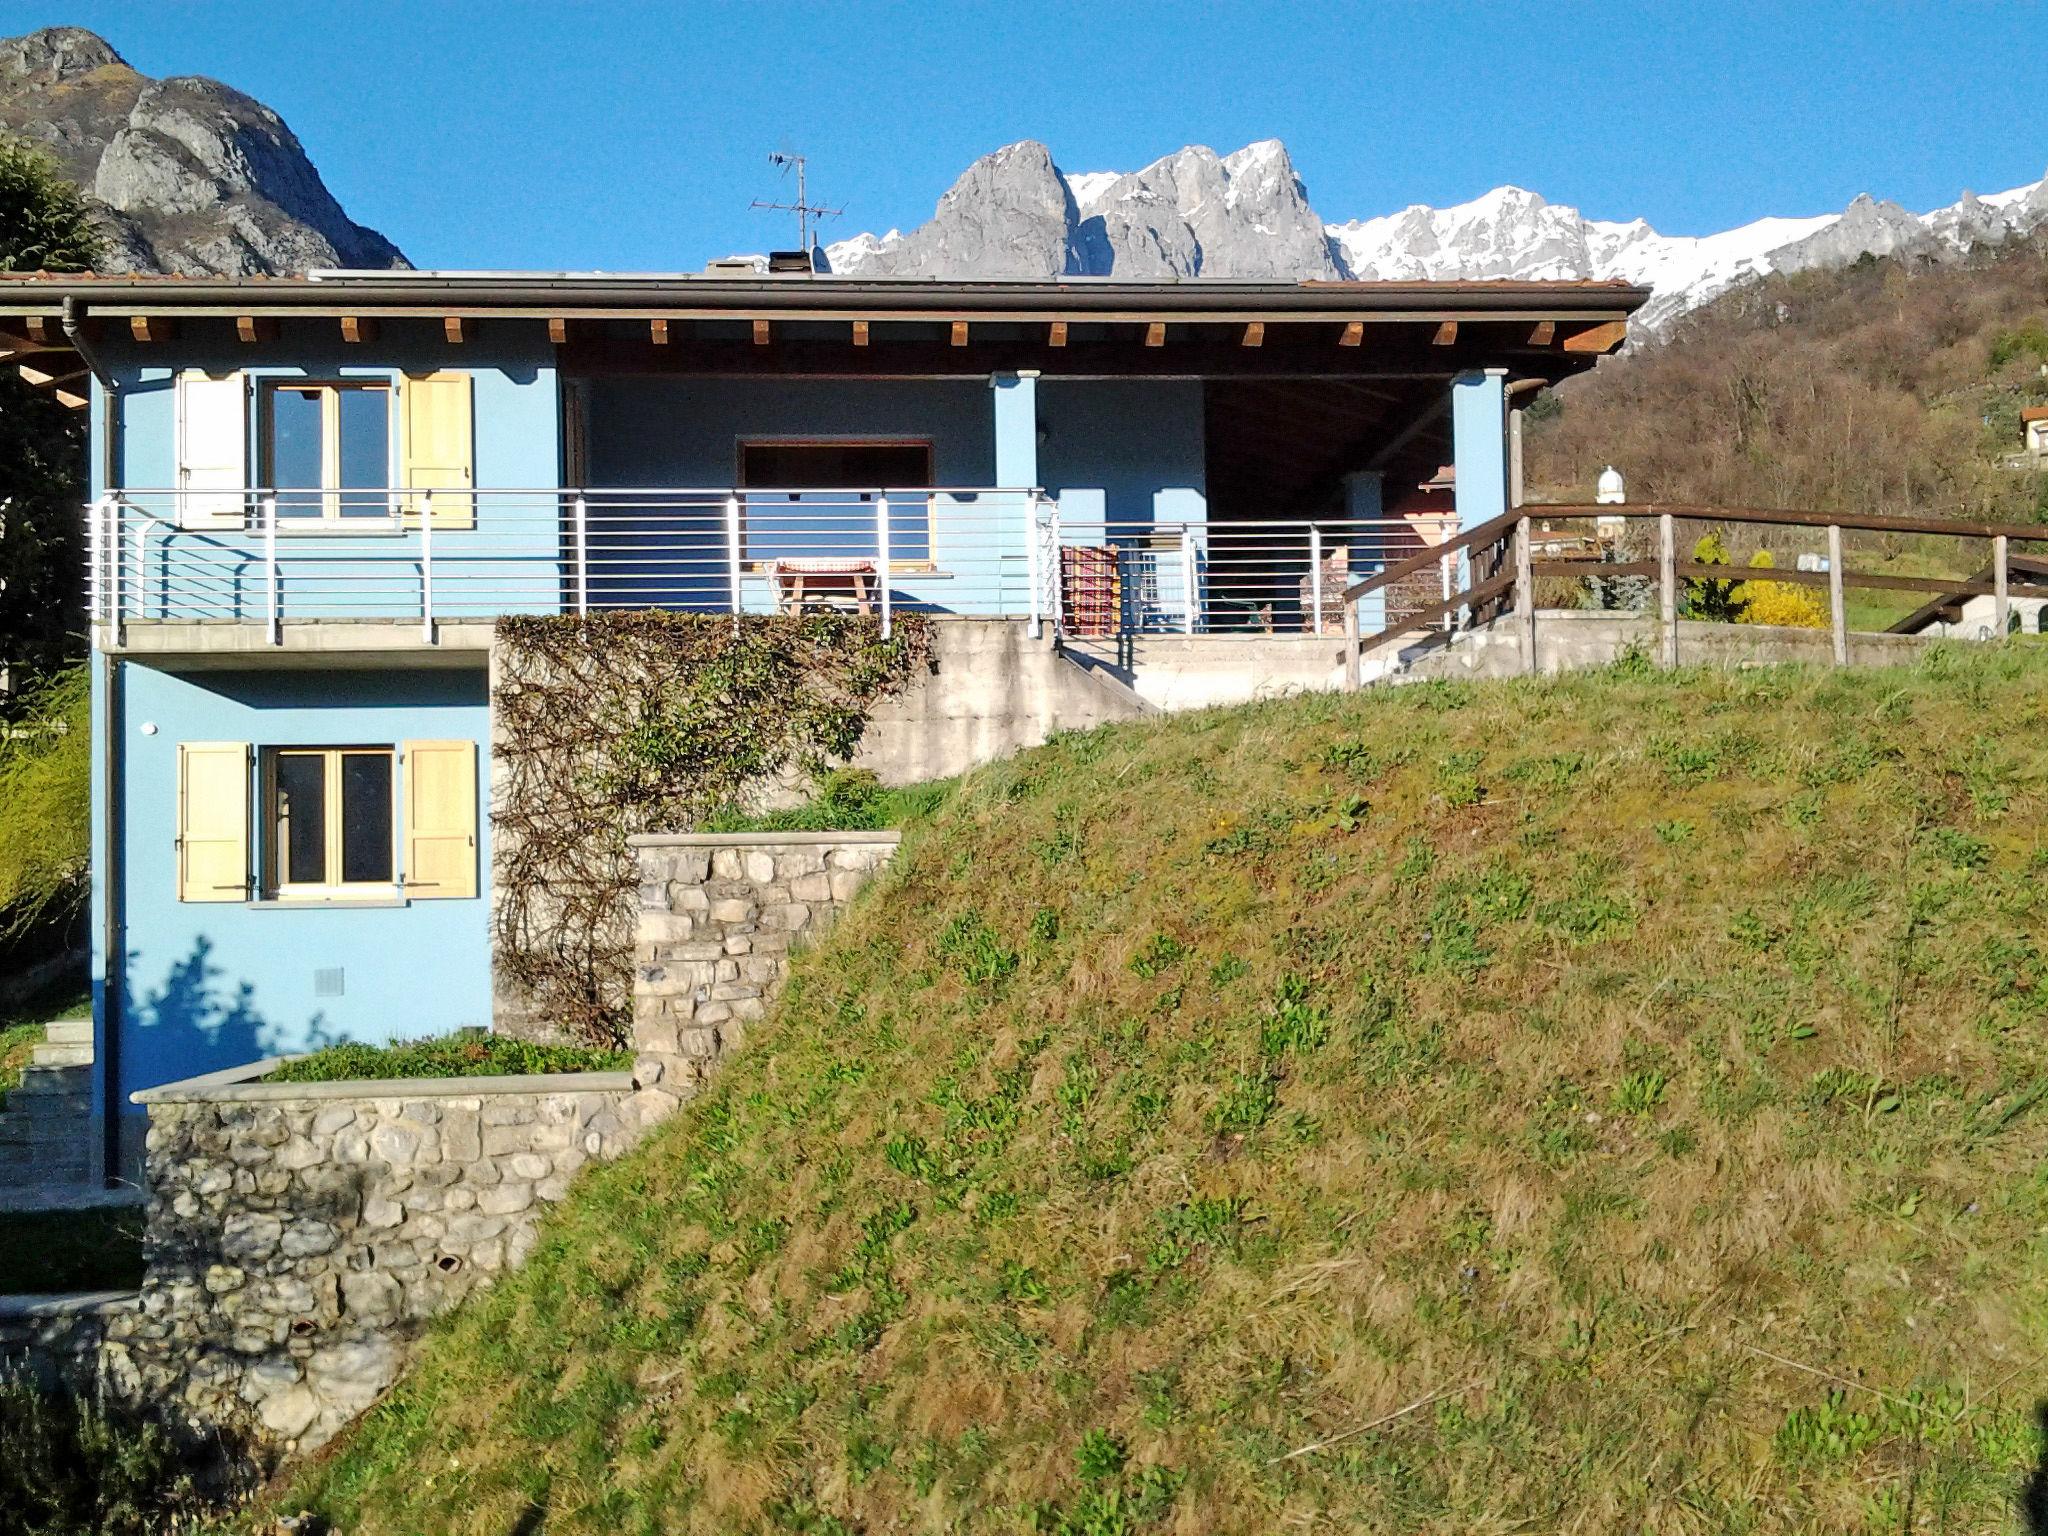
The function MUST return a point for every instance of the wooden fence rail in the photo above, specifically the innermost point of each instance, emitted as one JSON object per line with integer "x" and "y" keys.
{"x": 1500, "y": 571}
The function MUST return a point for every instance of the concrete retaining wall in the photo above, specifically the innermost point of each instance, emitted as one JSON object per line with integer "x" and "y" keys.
{"x": 1569, "y": 639}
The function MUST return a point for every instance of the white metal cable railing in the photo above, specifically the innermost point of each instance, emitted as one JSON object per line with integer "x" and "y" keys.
{"x": 433, "y": 556}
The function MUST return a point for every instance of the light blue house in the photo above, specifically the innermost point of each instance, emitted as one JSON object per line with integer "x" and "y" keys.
{"x": 312, "y": 498}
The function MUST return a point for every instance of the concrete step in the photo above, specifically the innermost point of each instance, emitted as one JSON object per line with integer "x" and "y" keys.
{"x": 61, "y": 1055}
{"x": 69, "y": 1032}
{"x": 39, "y": 1081}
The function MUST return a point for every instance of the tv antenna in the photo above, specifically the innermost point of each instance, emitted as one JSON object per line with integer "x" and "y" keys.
{"x": 805, "y": 210}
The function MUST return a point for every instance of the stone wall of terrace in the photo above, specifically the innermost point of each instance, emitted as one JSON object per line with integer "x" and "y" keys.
{"x": 717, "y": 916}
{"x": 301, "y": 1235}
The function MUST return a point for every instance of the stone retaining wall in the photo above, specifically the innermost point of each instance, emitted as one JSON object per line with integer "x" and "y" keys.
{"x": 300, "y": 1236}
{"x": 717, "y": 916}
{"x": 58, "y": 1341}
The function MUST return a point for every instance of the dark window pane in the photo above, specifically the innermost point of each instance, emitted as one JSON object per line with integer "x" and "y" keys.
{"x": 365, "y": 816}
{"x": 295, "y": 449}
{"x": 836, "y": 466}
{"x": 365, "y": 450}
{"x": 302, "y": 818}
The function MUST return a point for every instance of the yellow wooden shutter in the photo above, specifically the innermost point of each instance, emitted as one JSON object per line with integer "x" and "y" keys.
{"x": 440, "y": 819}
{"x": 213, "y": 449}
{"x": 213, "y": 820}
{"x": 437, "y": 446}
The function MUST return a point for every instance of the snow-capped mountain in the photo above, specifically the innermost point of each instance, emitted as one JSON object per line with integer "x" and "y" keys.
{"x": 1247, "y": 215}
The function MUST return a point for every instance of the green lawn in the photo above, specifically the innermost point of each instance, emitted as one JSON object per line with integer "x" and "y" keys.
{"x": 1607, "y": 1103}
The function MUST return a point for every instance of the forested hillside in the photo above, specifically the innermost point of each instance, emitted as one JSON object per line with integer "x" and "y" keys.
{"x": 1890, "y": 386}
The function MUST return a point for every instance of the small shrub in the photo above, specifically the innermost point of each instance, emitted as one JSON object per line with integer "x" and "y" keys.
{"x": 71, "y": 1466}
{"x": 1784, "y": 603}
{"x": 468, "y": 1054}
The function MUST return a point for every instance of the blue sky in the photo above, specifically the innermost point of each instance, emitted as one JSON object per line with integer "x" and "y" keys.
{"x": 562, "y": 135}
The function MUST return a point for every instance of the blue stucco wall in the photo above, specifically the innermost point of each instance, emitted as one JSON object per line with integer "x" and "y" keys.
{"x": 508, "y": 562}
{"x": 1128, "y": 450}
{"x": 205, "y": 985}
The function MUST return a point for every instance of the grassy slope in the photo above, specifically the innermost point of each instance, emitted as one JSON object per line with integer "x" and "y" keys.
{"x": 1645, "y": 1076}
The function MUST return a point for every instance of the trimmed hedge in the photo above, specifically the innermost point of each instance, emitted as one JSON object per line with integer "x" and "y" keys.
{"x": 463, "y": 1055}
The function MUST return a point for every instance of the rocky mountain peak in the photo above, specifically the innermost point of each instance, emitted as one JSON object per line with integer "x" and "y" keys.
{"x": 189, "y": 175}
{"x": 55, "y": 55}
{"x": 1195, "y": 214}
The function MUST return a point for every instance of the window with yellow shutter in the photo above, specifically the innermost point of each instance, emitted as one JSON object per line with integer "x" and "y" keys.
{"x": 437, "y": 447}
{"x": 440, "y": 819}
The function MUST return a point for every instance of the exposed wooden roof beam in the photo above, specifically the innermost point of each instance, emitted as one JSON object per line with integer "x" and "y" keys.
{"x": 255, "y": 328}
{"x": 358, "y": 329}
{"x": 860, "y": 333}
{"x": 1542, "y": 333}
{"x": 1155, "y": 334}
{"x": 1417, "y": 424}
{"x": 456, "y": 329}
{"x": 42, "y": 378}
{"x": 1598, "y": 338}
{"x": 657, "y": 332}
{"x": 1354, "y": 333}
{"x": 42, "y": 330}
{"x": 763, "y": 333}
{"x": 1056, "y": 334}
{"x": 959, "y": 333}
{"x": 71, "y": 399}
{"x": 1446, "y": 334}
{"x": 151, "y": 328}
{"x": 558, "y": 331}
{"x": 1254, "y": 334}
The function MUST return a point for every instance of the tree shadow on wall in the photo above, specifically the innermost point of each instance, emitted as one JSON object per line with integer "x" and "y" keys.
{"x": 196, "y": 1003}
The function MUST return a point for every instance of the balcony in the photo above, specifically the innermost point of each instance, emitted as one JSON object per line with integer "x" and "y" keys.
{"x": 417, "y": 568}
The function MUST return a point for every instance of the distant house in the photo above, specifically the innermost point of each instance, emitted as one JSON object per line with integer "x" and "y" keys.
{"x": 314, "y": 497}
{"x": 2034, "y": 433}
{"x": 1975, "y": 617}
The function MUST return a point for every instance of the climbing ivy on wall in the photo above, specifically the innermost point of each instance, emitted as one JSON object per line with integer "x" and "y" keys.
{"x": 619, "y": 723}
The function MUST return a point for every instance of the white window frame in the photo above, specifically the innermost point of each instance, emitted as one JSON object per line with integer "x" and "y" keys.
{"x": 275, "y": 835}
{"x": 330, "y": 490}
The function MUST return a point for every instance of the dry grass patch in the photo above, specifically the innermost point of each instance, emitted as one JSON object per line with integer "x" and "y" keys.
{"x": 1612, "y": 1103}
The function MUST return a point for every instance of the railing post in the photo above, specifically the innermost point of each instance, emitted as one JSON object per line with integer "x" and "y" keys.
{"x": 1838, "y": 607}
{"x": 1667, "y": 587}
{"x": 1315, "y": 577}
{"x": 275, "y": 615}
{"x": 582, "y": 510}
{"x": 732, "y": 553}
{"x": 1056, "y": 574}
{"x": 117, "y": 577}
{"x": 98, "y": 592}
{"x": 882, "y": 556}
{"x": 1187, "y": 577}
{"x": 427, "y": 567}
{"x": 2001, "y": 603}
{"x": 1353, "y": 662}
{"x": 1525, "y": 592}
{"x": 1034, "y": 556}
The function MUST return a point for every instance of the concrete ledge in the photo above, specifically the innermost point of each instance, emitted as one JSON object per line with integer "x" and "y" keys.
{"x": 26, "y": 1308}
{"x": 880, "y": 837}
{"x": 202, "y": 644}
{"x": 238, "y": 1085}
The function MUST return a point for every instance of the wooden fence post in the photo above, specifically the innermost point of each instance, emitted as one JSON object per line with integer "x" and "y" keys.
{"x": 1352, "y": 660}
{"x": 1525, "y": 596}
{"x": 2001, "y": 603}
{"x": 1667, "y": 586}
{"x": 1838, "y": 611}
